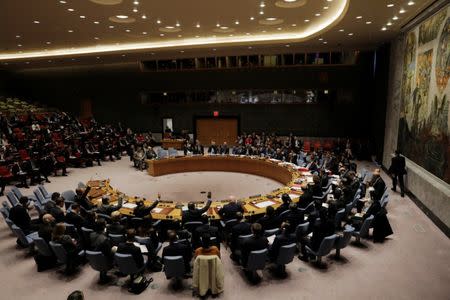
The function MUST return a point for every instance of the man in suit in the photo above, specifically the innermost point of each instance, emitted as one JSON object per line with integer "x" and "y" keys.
{"x": 195, "y": 214}
{"x": 257, "y": 242}
{"x": 269, "y": 220}
{"x": 178, "y": 249}
{"x": 106, "y": 208}
{"x": 116, "y": 227}
{"x": 285, "y": 206}
{"x": 241, "y": 228}
{"x": 57, "y": 211}
{"x": 397, "y": 170}
{"x": 306, "y": 198}
{"x": 213, "y": 149}
{"x": 99, "y": 241}
{"x": 378, "y": 185}
{"x": 73, "y": 217}
{"x": 141, "y": 210}
{"x": 282, "y": 239}
{"x": 294, "y": 217}
{"x": 20, "y": 217}
{"x": 129, "y": 248}
{"x": 229, "y": 211}
{"x": 206, "y": 228}
{"x": 81, "y": 198}
{"x": 46, "y": 229}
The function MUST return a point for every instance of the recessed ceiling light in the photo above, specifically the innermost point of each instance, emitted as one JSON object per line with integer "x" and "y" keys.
{"x": 330, "y": 0}
{"x": 224, "y": 27}
{"x": 158, "y": 21}
{"x": 351, "y": 33}
{"x": 144, "y": 16}
{"x": 395, "y": 18}
{"x": 261, "y": 12}
{"x": 198, "y": 25}
{"x": 402, "y": 11}
{"x": 70, "y": 30}
{"x": 252, "y": 18}
{"x": 288, "y": 46}
{"x": 19, "y": 45}
{"x": 325, "y": 42}
{"x": 320, "y": 39}
{"x": 341, "y": 30}
{"x": 62, "y": 2}
{"x": 389, "y": 24}
{"x": 247, "y": 33}
{"x": 182, "y": 51}
{"x": 111, "y": 26}
{"x": 170, "y": 27}
{"x": 390, "y": 5}
{"x": 122, "y": 17}
{"x": 217, "y": 25}
{"x": 325, "y": 7}
{"x": 96, "y": 38}
{"x": 293, "y": 25}
{"x": 197, "y": 36}
{"x": 161, "y": 34}
{"x": 271, "y": 19}
{"x": 383, "y": 29}
{"x": 145, "y": 32}
{"x": 214, "y": 49}
{"x": 279, "y": 28}
{"x": 359, "y": 17}
{"x": 262, "y": 4}
{"x": 264, "y": 31}
{"x": 249, "y": 47}
{"x": 135, "y": 10}
{"x": 123, "y": 55}
{"x": 17, "y": 36}
{"x": 290, "y": 0}
{"x": 178, "y": 24}
{"x": 136, "y": 2}
{"x": 369, "y": 22}
{"x": 317, "y": 15}
{"x": 71, "y": 9}
{"x": 306, "y": 20}
{"x": 127, "y": 30}
{"x": 236, "y": 22}
{"x": 96, "y": 22}
{"x": 411, "y": 3}
{"x": 36, "y": 22}
{"x": 230, "y": 35}
{"x": 82, "y": 17}
{"x": 48, "y": 43}
{"x": 179, "y": 35}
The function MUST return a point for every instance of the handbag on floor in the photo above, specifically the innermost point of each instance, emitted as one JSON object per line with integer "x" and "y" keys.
{"x": 139, "y": 284}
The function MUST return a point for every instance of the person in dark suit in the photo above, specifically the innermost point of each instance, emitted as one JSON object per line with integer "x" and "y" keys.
{"x": 116, "y": 227}
{"x": 282, "y": 239}
{"x": 378, "y": 185}
{"x": 73, "y": 217}
{"x": 106, "y": 208}
{"x": 81, "y": 198}
{"x": 206, "y": 228}
{"x": 141, "y": 210}
{"x": 229, "y": 211}
{"x": 241, "y": 228}
{"x": 46, "y": 229}
{"x": 129, "y": 248}
{"x": 178, "y": 249}
{"x": 213, "y": 149}
{"x": 257, "y": 242}
{"x": 306, "y": 198}
{"x": 285, "y": 206}
{"x": 99, "y": 241}
{"x": 397, "y": 170}
{"x": 57, "y": 211}
{"x": 195, "y": 214}
{"x": 269, "y": 220}
{"x": 69, "y": 244}
{"x": 294, "y": 217}
{"x": 20, "y": 217}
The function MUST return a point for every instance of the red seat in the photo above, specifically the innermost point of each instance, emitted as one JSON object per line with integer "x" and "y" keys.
{"x": 24, "y": 154}
{"x": 307, "y": 146}
{"x": 5, "y": 172}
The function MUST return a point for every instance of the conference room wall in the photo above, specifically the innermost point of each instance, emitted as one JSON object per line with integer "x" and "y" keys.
{"x": 430, "y": 193}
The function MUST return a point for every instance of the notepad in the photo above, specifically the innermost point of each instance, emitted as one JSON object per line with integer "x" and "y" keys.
{"x": 129, "y": 205}
{"x": 264, "y": 204}
{"x": 157, "y": 210}
{"x": 142, "y": 247}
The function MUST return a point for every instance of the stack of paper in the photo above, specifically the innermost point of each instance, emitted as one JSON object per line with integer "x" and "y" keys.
{"x": 129, "y": 205}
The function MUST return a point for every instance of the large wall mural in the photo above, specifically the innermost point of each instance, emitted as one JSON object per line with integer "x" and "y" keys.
{"x": 424, "y": 130}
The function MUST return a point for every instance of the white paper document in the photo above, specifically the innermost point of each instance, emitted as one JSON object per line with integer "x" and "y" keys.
{"x": 129, "y": 205}
{"x": 264, "y": 204}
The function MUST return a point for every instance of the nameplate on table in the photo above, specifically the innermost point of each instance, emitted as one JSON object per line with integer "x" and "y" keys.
{"x": 293, "y": 196}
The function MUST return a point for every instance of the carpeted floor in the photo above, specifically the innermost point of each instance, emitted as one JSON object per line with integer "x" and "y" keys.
{"x": 414, "y": 263}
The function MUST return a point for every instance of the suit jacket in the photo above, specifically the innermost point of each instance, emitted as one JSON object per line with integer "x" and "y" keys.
{"x": 241, "y": 228}
{"x": 107, "y": 209}
{"x": 283, "y": 207}
{"x": 179, "y": 249}
{"x": 378, "y": 184}
{"x": 229, "y": 211}
{"x": 279, "y": 241}
{"x": 143, "y": 211}
{"x": 268, "y": 222}
{"x": 326, "y": 228}
{"x": 116, "y": 228}
{"x": 252, "y": 244}
{"x": 100, "y": 242}
{"x": 75, "y": 219}
{"x": 398, "y": 165}
{"x": 305, "y": 199}
{"x": 82, "y": 200}
{"x": 45, "y": 232}
{"x": 57, "y": 213}
{"x": 20, "y": 217}
{"x": 195, "y": 214}
{"x": 130, "y": 248}
{"x": 213, "y": 231}
{"x": 294, "y": 217}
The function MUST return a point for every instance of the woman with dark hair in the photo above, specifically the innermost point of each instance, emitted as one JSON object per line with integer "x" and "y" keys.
{"x": 206, "y": 248}
{"x": 69, "y": 244}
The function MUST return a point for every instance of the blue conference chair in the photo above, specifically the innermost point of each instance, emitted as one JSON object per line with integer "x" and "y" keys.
{"x": 285, "y": 256}
{"x": 324, "y": 249}
{"x": 99, "y": 262}
{"x": 343, "y": 240}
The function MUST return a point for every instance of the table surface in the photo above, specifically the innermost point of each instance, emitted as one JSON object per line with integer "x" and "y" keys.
{"x": 291, "y": 176}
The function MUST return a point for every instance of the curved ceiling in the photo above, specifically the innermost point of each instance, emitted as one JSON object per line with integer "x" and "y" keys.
{"x": 48, "y": 30}
{"x": 197, "y": 21}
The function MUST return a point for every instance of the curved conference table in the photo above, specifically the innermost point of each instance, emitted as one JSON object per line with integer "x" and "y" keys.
{"x": 290, "y": 175}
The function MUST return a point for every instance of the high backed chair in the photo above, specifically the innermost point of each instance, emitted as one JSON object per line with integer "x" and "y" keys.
{"x": 62, "y": 257}
{"x": 99, "y": 262}
{"x": 256, "y": 261}
{"x": 69, "y": 197}
{"x": 127, "y": 265}
{"x": 271, "y": 232}
{"x": 44, "y": 192}
{"x": 12, "y": 199}
{"x": 339, "y": 217}
{"x": 191, "y": 226}
{"x": 364, "y": 230}
{"x": 86, "y": 235}
{"x": 324, "y": 248}
{"x": 301, "y": 230}
{"x": 285, "y": 256}
{"x": 343, "y": 240}
{"x": 174, "y": 267}
{"x": 42, "y": 247}
{"x": 24, "y": 240}
{"x": 116, "y": 239}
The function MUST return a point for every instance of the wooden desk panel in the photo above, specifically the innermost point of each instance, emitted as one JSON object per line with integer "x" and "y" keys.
{"x": 260, "y": 167}
{"x": 172, "y": 143}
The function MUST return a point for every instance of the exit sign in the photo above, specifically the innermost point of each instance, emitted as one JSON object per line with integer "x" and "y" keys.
{"x": 215, "y": 113}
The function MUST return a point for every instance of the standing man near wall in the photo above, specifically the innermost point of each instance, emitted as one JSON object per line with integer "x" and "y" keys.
{"x": 397, "y": 170}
